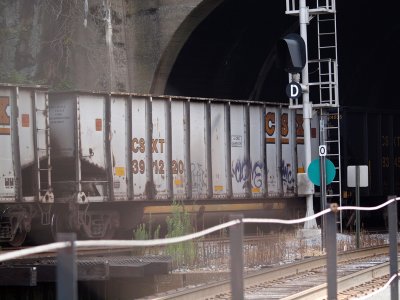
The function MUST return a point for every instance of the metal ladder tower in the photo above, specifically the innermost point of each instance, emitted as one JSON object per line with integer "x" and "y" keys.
{"x": 323, "y": 80}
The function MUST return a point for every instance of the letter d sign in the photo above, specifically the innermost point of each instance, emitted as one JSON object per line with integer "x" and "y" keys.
{"x": 293, "y": 90}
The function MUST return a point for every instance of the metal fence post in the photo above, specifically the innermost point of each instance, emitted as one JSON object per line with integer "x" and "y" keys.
{"x": 392, "y": 214}
{"x": 331, "y": 252}
{"x": 67, "y": 271}
{"x": 358, "y": 204}
{"x": 236, "y": 248}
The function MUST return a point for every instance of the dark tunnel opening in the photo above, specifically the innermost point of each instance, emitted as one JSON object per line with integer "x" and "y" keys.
{"x": 231, "y": 54}
{"x": 225, "y": 54}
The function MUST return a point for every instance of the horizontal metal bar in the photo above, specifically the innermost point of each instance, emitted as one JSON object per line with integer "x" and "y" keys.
{"x": 93, "y": 181}
{"x": 327, "y": 47}
{"x": 326, "y": 20}
{"x": 321, "y": 83}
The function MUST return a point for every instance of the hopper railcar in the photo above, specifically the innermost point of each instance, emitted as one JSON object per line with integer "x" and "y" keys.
{"x": 96, "y": 162}
{"x": 371, "y": 137}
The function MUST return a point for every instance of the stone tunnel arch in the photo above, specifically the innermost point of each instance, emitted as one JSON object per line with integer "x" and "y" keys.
{"x": 177, "y": 41}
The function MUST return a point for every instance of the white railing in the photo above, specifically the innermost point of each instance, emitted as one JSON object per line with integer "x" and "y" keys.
{"x": 158, "y": 242}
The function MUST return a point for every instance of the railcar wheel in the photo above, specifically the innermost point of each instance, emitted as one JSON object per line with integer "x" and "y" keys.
{"x": 59, "y": 224}
{"x": 108, "y": 234}
{"x": 19, "y": 238}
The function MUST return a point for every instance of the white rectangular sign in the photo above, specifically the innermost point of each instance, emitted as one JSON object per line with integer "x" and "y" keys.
{"x": 351, "y": 176}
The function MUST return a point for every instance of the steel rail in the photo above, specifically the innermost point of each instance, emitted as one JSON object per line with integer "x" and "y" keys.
{"x": 210, "y": 290}
{"x": 344, "y": 283}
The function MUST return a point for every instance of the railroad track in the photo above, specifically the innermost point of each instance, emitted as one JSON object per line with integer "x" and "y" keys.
{"x": 301, "y": 280}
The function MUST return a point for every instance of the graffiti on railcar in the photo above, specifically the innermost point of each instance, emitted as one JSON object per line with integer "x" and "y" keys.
{"x": 287, "y": 176}
{"x": 199, "y": 178}
{"x": 271, "y": 179}
{"x": 244, "y": 170}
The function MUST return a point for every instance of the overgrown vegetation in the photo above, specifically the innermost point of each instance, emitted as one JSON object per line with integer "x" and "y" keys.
{"x": 260, "y": 250}
{"x": 143, "y": 233}
{"x": 179, "y": 224}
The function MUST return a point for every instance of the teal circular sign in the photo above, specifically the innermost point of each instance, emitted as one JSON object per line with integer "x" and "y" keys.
{"x": 313, "y": 171}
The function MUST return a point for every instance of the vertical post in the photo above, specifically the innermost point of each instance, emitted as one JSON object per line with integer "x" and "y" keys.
{"x": 150, "y": 188}
{"x": 392, "y": 213}
{"x": 14, "y": 102}
{"x": 128, "y": 124}
{"x": 236, "y": 248}
{"x": 322, "y": 167}
{"x": 209, "y": 153}
{"x": 67, "y": 273}
{"x": 168, "y": 148}
{"x": 307, "y": 111}
{"x": 357, "y": 204}
{"x": 108, "y": 150}
{"x": 188, "y": 161}
{"x": 331, "y": 252}
{"x": 228, "y": 149}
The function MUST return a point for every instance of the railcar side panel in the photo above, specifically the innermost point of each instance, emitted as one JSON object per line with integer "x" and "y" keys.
{"x": 198, "y": 150}
{"x": 23, "y": 139}
{"x": 272, "y": 132}
{"x": 139, "y": 145}
{"x": 159, "y": 148}
{"x": 288, "y": 156}
{"x": 25, "y": 128}
{"x": 218, "y": 150}
{"x": 314, "y": 137}
{"x": 257, "y": 151}
{"x": 374, "y": 143}
{"x": 396, "y": 153}
{"x": 179, "y": 141}
{"x": 387, "y": 154}
{"x": 301, "y": 167}
{"x": 62, "y": 122}
{"x": 7, "y": 173}
{"x": 92, "y": 147}
{"x": 120, "y": 148}
{"x": 240, "y": 162}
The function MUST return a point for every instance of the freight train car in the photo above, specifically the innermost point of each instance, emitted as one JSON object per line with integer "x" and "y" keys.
{"x": 372, "y": 138}
{"x": 110, "y": 158}
{"x": 25, "y": 173}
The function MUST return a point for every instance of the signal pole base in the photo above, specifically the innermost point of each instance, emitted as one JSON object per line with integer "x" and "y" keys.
{"x": 311, "y": 224}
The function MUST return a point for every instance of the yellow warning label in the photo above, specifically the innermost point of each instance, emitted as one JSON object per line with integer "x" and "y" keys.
{"x": 300, "y": 170}
{"x": 218, "y": 188}
{"x": 120, "y": 171}
{"x": 255, "y": 190}
{"x": 178, "y": 182}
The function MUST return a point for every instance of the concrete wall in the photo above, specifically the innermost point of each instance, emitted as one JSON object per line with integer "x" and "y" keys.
{"x": 120, "y": 45}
